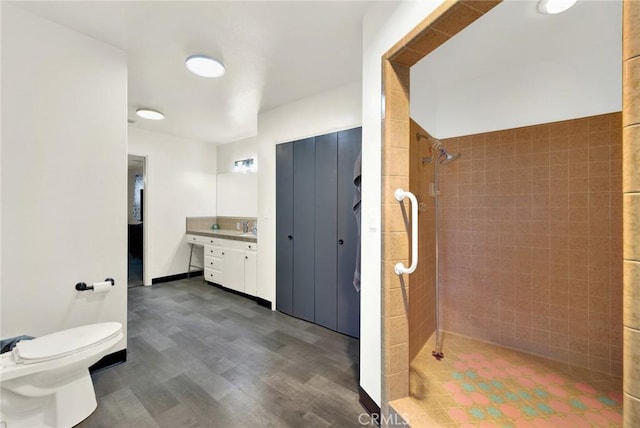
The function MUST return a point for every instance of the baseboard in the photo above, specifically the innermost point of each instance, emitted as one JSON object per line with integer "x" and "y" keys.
{"x": 262, "y": 302}
{"x": 368, "y": 404}
{"x": 258, "y": 300}
{"x": 109, "y": 360}
{"x": 175, "y": 277}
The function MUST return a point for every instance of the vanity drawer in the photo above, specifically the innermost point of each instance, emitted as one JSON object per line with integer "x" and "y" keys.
{"x": 213, "y": 263}
{"x": 211, "y": 251}
{"x": 197, "y": 239}
{"x": 240, "y": 245}
{"x": 213, "y": 275}
{"x": 216, "y": 242}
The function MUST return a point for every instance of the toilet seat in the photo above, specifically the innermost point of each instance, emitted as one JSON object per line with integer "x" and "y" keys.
{"x": 64, "y": 343}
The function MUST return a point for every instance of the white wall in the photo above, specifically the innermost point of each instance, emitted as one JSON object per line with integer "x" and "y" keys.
{"x": 64, "y": 172}
{"x": 331, "y": 111}
{"x": 237, "y": 193}
{"x": 180, "y": 182}
{"x": 383, "y": 25}
{"x": 228, "y": 153}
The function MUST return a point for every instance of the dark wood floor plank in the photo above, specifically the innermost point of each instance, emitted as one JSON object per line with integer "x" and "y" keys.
{"x": 199, "y": 356}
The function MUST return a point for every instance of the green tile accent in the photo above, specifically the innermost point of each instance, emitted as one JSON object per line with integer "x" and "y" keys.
{"x": 477, "y": 413}
{"x": 545, "y": 409}
{"x": 578, "y": 404}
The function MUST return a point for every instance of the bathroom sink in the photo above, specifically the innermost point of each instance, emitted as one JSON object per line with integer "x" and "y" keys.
{"x": 247, "y": 235}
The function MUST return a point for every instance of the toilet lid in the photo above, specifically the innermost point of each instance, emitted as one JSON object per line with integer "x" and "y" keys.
{"x": 65, "y": 342}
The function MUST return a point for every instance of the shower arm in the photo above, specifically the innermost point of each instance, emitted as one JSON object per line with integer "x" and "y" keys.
{"x": 400, "y": 268}
{"x": 436, "y": 145}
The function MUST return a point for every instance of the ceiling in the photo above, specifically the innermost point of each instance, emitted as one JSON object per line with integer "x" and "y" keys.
{"x": 517, "y": 67}
{"x": 274, "y": 52}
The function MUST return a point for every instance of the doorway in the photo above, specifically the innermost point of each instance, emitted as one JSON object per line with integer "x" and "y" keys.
{"x": 135, "y": 216}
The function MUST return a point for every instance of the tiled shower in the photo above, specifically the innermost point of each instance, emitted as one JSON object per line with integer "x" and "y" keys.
{"x": 587, "y": 265}
{"x": 530, "y": 259}
{"x": 531, "y": 254}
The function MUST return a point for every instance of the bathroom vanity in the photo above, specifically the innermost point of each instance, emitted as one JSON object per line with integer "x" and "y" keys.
{"x": 229, "y": 258}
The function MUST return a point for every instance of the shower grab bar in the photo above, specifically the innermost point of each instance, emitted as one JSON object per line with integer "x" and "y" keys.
{"x": 400, "y": 267}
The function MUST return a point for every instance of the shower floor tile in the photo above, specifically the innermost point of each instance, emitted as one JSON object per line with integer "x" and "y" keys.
{"x": 483, "y": 385}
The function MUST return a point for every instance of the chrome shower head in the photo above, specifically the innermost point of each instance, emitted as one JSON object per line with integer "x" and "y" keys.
{"x": 446, "y": 157}
{"x": 436, "y": 147}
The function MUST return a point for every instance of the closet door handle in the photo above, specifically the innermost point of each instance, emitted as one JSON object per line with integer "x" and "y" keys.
{"x": 340, "y": 242}
{"x": 400, "y": 268}
{"x": 290, "y": 237}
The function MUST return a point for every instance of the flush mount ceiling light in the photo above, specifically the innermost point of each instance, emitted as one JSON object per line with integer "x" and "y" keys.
{"x": 204, "y": 66}
{"x": 147, "y": 113}
{"x": 551, "y": 7}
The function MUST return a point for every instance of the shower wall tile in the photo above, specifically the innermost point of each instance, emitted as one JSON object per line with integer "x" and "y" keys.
{"x": 632, "y": 294}
{"x": 631, "y": 206}
{"x": 631, "y": 90}
{"x": 395, "y": 239}
{"x": 421, "y": 305}
{"x": 531, "y": 240}
{"x": 630, "y": 29}
{"x": 631, "y": 409}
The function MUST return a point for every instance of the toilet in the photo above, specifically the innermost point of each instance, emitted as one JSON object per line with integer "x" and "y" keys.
{"x": 45, "y": 382}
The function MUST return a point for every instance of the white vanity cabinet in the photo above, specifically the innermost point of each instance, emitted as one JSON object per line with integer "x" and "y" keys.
{"x": 250, "y": 267}
{"x": 231, "y": 264}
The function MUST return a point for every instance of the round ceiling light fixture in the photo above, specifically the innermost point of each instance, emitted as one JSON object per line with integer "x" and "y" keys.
{"x": 204, "y": 66}
{"x": 147, "y": 113}
{"x": 551, "y": 7}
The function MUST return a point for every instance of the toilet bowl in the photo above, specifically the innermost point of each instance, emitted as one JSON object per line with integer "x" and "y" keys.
{"x": 45, "y": 382}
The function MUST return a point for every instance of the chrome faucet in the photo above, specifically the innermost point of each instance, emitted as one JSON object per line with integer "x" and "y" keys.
{"x": 245, "y": 226}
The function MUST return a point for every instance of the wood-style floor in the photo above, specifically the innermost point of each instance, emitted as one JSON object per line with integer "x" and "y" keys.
{"x": 199, "y": 356}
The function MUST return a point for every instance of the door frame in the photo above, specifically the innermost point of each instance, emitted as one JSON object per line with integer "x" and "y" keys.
{"x": 146, "y": 276}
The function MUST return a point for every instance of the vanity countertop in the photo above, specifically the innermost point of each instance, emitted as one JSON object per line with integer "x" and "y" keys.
{"x": 235, "y": 235}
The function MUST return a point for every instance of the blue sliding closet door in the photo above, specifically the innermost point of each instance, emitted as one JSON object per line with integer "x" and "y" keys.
{"x": 316, "y": 230}
{"x": 326, "y": 225}
{"x": 304, "y": 228}
{"x": 284, "y": 228}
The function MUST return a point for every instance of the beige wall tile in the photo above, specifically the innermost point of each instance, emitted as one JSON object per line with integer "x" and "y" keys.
{"x": 631, "y": 226}
{"x": 560, "y": 232}
{"x": 396, "y": 302}
{"x": 631, "y": 29}
{"x": 631, "y": 409}
{"x": 631, "y": 377}
{"x": 391, "y": 279}
{"x": 631, "y": 159}
{"x": 428, "y": 41}
{"x": 395, "y": 218}
{"x": 396, "y": 133}
{"x": 459, "y": 17}
{"x": 632, "y": 294}
{"x": 631, "y": 92}
{"x": 389, "y": 186}
{"x": 397, "y": 359}
{"x": 397, "y": 385}
{"x": 395, "y": 246}
{"x": 397, "y": 329}
{"x": 395, "y": 161}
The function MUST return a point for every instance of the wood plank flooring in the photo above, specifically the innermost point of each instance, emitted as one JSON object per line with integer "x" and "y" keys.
{"x": 202, "y": 357}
